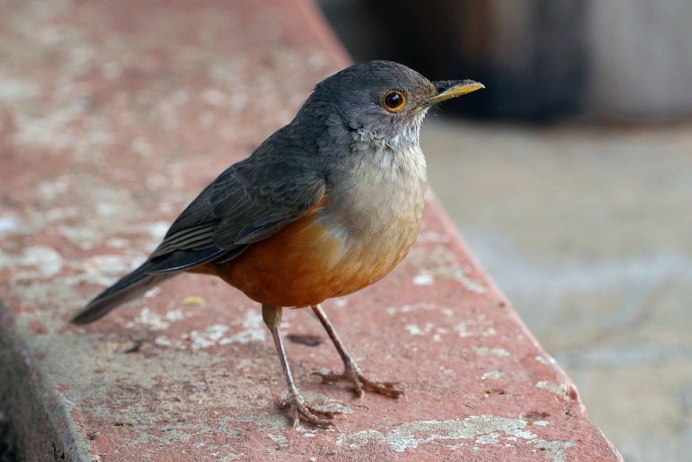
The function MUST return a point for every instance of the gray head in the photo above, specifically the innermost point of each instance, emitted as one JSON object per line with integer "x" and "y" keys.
{"x": 378, "y": 102}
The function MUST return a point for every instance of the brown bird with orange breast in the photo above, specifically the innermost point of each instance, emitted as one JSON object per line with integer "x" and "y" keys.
{"x": 327, "y": 205}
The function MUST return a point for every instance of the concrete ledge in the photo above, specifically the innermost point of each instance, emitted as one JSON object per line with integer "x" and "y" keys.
{"x": 114, "y": 115}
{"x": 40, "y": 427}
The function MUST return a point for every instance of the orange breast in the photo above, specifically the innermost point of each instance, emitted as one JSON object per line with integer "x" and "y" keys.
{"x": 301, "y": 265}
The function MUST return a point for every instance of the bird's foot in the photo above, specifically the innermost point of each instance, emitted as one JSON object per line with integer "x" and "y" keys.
{"x": 298, "y": 410}
{"x": 360, "y": 383}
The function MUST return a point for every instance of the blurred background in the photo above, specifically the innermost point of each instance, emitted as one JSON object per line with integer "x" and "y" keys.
{"x": 571, "y": 179}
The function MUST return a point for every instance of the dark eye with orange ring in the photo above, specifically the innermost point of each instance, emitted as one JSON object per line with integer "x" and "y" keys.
{"x": 393, "y": 100}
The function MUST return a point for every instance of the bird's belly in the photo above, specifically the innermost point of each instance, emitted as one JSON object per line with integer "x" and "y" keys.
{"x": 309, "y": 261}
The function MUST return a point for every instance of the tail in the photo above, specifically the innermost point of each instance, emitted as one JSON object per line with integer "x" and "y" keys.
{"x": 128, "y": 288}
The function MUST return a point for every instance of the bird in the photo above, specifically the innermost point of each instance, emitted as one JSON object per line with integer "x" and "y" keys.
{"x": 325, "y": 206}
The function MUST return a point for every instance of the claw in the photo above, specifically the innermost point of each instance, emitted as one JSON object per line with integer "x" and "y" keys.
{"x": 298, "y": 411}
{"x": 360, "y": 383}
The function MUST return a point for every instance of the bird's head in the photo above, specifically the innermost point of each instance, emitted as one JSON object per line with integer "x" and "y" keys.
{"x": 379, "y": 102}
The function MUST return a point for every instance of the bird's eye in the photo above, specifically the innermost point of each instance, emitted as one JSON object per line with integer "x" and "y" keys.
{"x": 393, "y": 100}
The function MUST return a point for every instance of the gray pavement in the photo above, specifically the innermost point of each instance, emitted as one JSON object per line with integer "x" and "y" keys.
{"x": 588, "y": 231}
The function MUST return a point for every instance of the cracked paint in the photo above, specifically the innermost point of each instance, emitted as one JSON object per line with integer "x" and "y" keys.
{"x": 483, "y": 430}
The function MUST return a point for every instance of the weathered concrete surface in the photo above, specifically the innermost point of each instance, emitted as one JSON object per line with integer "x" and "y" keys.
{"x": 113, "y": 115}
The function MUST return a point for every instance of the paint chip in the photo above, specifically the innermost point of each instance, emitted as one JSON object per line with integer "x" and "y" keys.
{"x": 194, "y": 300}
{"x": 487, "y": 351}
{"x": 559, "y": 389}
{"x": 493, "y": 375}
{"x": 423, "y": 279}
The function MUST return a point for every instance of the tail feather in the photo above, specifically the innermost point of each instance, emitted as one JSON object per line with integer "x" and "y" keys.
{"x": 127, "y": 288}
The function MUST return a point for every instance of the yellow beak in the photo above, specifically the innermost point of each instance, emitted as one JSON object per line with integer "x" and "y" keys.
{"x": 448, "y": 89}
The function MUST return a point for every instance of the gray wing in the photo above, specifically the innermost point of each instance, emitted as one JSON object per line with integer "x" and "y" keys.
{"x": 247, "y": 203}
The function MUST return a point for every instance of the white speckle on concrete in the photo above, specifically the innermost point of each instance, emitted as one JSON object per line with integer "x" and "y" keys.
{"x": 483, "y": 430}
{"x": 151, "y": 319}
{"x": 414, "y": 329}
{"x": 472, "y": 284}
{"x": 542, "y": 423}
{"x": 162, "y": 340}
{"x": 47, "y": 260}
{"x": 454, "y": 446}
{"x": 153, "y": 292}
{"x": 216, "y": 331}
{"x": 175, "y": 315}
{"x": 474, "y": 329}
{"x": 559, "y": 389}
{"x": 279, "y": 439}
{"x": 214, "y": 97}
{"x": 493, "y": 375}
{"x": 547, "y": 360}
{"x": 59, "y": 213}
{"x": 38, "y": 262}
{"x": 141, "y": 147}
{"x": 9, "y": 224}
{"x": 396, "y": 310}
{"x": 359, "y": 439}
{"x": 433, "y": 236}
{"x": 340, "y": 302}
{"x": 490, "y": 438}
{"x": 209, "y": 337}
{"x": 82, "y": 236}
{"x": 423, "y": 279}
{"x": 105, "y": 209}
{"x": 438, "y": 332}
{"x": 438, "y": 262}
{"x": 253, "y": 330}
{"x": 487, "y": 351}
{"x": 17, "y": 89}
{"x": 158, "y": 229}
{"x": 117, "y": 243}
{"x": 554, "y": 449}
{"x": 48, "y": 128}
{"x": 200, "y": 341}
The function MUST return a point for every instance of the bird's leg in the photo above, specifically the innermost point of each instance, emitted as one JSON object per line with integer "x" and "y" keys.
{"x": 295, "y": 402}
{"x": 352, "y": 372}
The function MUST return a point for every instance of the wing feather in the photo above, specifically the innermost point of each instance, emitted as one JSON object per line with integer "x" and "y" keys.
{"x": 247, "y": 203}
